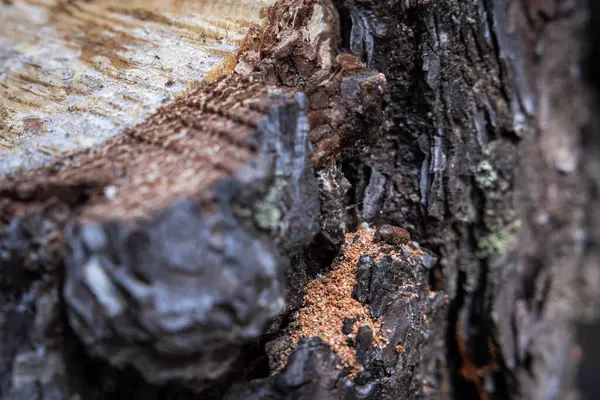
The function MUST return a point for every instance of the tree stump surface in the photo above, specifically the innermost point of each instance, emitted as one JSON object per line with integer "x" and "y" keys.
{"x": 74, "y": 74}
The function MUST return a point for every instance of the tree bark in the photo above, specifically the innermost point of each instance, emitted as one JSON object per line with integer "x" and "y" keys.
{"x": 468, "y": 124}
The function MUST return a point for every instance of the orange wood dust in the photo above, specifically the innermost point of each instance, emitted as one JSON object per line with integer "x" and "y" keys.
{"x": 328, "y": 301}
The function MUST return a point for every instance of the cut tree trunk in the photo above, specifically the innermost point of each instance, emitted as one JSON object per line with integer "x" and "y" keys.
{"x": 75, "y": 73}
{"x": 225, "y": 246}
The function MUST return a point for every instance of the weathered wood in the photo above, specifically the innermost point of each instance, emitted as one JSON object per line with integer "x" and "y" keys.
{"x": 466, "y": 129}
{"x": 487, "y": 105}
{"x": 74, "y": 73}
{"x": 218, "y": 175}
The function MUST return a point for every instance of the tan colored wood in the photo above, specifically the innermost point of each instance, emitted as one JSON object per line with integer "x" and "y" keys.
{"x": 74, "y": 73}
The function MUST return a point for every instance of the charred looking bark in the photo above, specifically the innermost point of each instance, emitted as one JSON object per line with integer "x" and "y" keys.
{"x": 482, "y": 161}
{"x": 466, "y": 127}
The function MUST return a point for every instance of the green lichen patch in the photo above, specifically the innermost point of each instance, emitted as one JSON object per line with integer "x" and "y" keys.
{"x": 267, "y": 213}
{"x": 497, "y": 242}
{"x": 486, "y": 176}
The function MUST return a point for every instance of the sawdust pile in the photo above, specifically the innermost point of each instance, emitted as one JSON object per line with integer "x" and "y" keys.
{"x": 328, "y": 302}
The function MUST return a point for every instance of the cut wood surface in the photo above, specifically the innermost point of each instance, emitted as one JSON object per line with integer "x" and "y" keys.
{"x": 73, "y": 74}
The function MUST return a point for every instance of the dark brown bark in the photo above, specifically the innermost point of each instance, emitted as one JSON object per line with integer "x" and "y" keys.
{"x": 469, "y": 125}
{"x": 487, "y": 103}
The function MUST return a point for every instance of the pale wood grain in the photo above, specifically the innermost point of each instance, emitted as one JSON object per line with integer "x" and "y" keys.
{"x": 73, "y": 73}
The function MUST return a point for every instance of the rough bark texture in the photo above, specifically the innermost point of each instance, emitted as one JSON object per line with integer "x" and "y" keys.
{"x": 466, "y": 123}
{"x": 487, "y": 110}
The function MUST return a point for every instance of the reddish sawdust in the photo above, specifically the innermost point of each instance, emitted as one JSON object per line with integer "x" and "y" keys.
{"x": 471, "y": 372}
{"x": 328, "y": 301}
